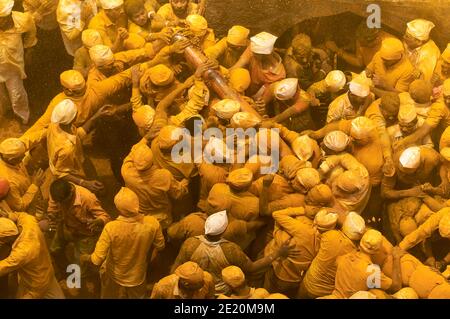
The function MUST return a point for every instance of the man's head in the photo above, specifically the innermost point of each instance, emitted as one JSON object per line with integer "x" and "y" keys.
{"x": 391, "y": 51}
{"x": 354, "y": 226}
{"x": 302, "y": 49}
{"x": 358, "y": 92}
{"x": 335, "y": 142}
{"x": 237, "y": 39}
{"x": 234, "y": 277}
{"x": 142, "y": 156}
{"x": 367, "y": 37}
{"x": 113, "y": 9}
{"x": 389, "y": 107}
{"x": 371, "y": 242}
{"x": 90, "y": 38}
{"x": 286, "y": 89}
{"x": 180, "y": 7}
{"x": 410, "y": 160}
{"x": 143, "y": 118}
{"x": 421, "y": 91}
{"x": 335, "y": 81}
{"x": 127, "y": 202}
{"x": 64, "y": 113}
{"x": 62, "y": 191}
{"x": 136, "y": 12}
{"x": 239, "y": 79}
{"x": 320, "y": 195}
{"x": 262, "y": 44}
{"x": 240, "y": 179}
{"x": 197, "y": 25}
{"x": 8, "y": 232}
{"x": 407, "y": 119}
{"x": 347, "y": 183}
{"x": 103, "y": 58}
{"x": 216, "y": 224}
{"x": 191, "y": 276}
{"x": 6, "y": 7}
{"x": 362, "y": 130}
{"x": 73, "y": 83}
{"x": 12, "y": 151}
{"x": 325, "y": 220}
{"x": 305, "y": 180}
{"x": 417, "y": 33}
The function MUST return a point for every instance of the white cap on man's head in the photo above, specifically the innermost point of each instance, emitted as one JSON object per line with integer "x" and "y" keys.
{"x": 6, "y": 7}
{"x": 263, "y": 43}
{"x": 216, "y": 224}
{"x": 111, "y": 4}
{"x": 420, "y": 29}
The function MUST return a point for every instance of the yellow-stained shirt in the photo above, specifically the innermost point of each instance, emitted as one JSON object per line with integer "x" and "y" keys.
{"x": 305, "y": 239}
{"x": 438, "y": 114}
{"x": 21, "y": 190}
{"x": 29, "y": 257}
{"x": 124, "y": 247}
{"x": 319, "y": 279}
{"x": 370, "y": 154}
{"x": 210, "y": 174}
{"x": 85, "y": 208}
{"x": 167, "y": 288}
{"x": 367, "y": 53}
{"x": 398, "y": 76}
{"x": 223, "y": 54}
{"x": 155, "y": 188}
{"x": 352, "y": 275}
{"x": 424, "y": 58}
{"x": 13, "y": 42}
{"x": 425, "y": 230}
{"x": 342, "y": 109}
{"x": 65, "y": 151}
{"x": 106, "y": 28}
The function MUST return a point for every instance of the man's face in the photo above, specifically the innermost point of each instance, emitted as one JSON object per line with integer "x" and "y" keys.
{"x": 108, "y": 69}
{"x": 236, "y": 48}
{"x": 389, "y": 63}
{"x": 114, "y": 14}
{"x": 447, "y": 100}
{"x": 390, "y": 116}
{"x": 74, "y": 93}
{"x": 189, "y": 286}
{"x": 140, "y": 18}
{"x": 408, "y": 128}
{"x": 361, "y": 141}
{"x": 179, "y": 7}
{"x": 303, "y": 57}
{"x": 370, "y": 41}
{"x": 13, "y": 159}
{"x": 355, "y": 100}
{"x": 411, "y": 42}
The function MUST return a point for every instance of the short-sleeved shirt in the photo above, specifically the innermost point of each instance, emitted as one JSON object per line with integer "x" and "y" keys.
{"x": 438, "y": 114}
{"x": 352, "y": 275}
{"x": 342, "y": 109}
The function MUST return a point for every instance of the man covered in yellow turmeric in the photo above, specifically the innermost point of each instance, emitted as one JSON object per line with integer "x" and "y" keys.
{"x": 29, "y": 256}
{"x": 126, "y": 246}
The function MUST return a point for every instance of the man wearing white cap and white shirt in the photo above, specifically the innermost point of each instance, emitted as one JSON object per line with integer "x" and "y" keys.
{"x": 73, "y": 17}
{"x": 408, "y": 123}
{"x": 290, "y": 105}
{"x": 64, "y": 145}
{"x": 265, "y": 66}
{"x": 17, "y": 33}
{"x": 420, "y": 49}
{"x": 111, "y": 22}
{"x": 213, "y": 253}
{"x": 324, "y": 92}
{"x": 415, "y": 165}
{"x": 352, "y": 104}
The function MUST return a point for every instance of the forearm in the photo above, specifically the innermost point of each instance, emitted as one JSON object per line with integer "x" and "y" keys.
{"x": 396, "y": 275}
{"x": 352, "y": 59}
{"x": 433, "y": 204}
{"x": 74, "y": 179}
{"x": 321, "y": 133}
{"x": 264, "y": 202}
{"x": 262, "y": 263}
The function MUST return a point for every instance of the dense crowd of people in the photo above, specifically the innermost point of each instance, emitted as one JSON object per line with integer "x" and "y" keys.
{"x": 352, "y": 200}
